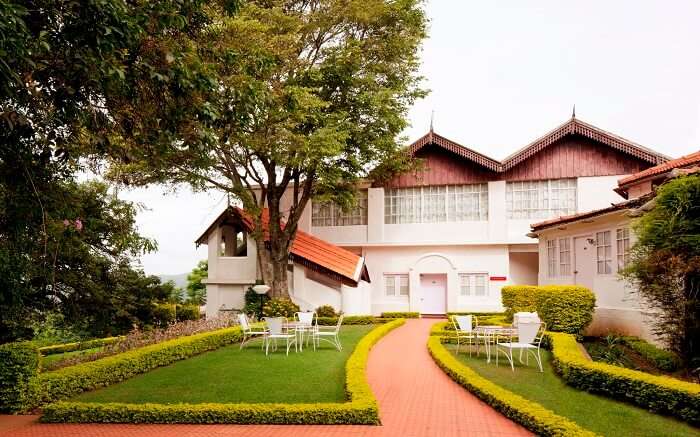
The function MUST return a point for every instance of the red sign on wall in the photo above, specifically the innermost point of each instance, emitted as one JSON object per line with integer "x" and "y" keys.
{"x": 498, "y": 278}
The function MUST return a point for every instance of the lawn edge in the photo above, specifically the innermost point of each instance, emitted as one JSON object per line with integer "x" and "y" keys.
{"x": 362, "y": 409}
{"x": 531, "y": 415}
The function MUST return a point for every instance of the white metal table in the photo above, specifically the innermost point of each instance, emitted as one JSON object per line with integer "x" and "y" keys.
{"x": 491, "y": 334}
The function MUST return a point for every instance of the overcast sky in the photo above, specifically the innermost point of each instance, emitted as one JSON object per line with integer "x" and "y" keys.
{"x": 502, "y": 73}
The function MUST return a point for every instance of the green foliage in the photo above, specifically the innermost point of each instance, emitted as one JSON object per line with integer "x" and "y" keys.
{"x": 660, "y": 394}
{"x": 280, "y": 308}
{"x": 326, "y": 311}
{"x": 252, "y": 302}
{"x": 188, "y": 312}
{"x": 78, "y": 346}
{"x": 662, "y": 359}
{"x": 665, "y": 265}
{"x": 196, "y": 289}
{"x": 19, "y": 364}
{"x": 163, "y": 314}
{"x": 530, "y": 414}
{"x": 353, "y": 320}
{"x": 400, "y": 315}
{"x": 564, "y": 308}
{"x": 361, "y": 408}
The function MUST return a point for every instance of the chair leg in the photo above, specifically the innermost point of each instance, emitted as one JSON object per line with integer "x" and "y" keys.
{"x": 539, "y": 360}
{"x": 242, "y": 342}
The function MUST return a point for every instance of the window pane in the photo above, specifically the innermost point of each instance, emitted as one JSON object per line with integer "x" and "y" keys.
{"x": 604, "y": 252}
{"x": 540, "y": 199}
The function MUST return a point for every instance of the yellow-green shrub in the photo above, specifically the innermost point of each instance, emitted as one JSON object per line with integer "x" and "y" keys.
{"x": 361, "y": 407}
{"x": 77, "y": 346}
{"x": 400, "y": 315}
{"x": 19, "y": 364}
{"x": 530, "y": 414}
{"x": 656, "y": 393}
{"x": 564, "y": 308}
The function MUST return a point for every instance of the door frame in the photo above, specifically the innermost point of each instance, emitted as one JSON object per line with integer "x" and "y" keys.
{"x": 444, "y": 277}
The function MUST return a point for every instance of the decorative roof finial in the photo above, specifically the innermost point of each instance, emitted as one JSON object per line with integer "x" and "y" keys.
{"x": 573, "y": 111}
{"x": 432, "y": 115}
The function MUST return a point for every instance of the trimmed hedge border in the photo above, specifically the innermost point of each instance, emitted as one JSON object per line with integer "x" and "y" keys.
{"x": 662, "y": 359}
{"x": 78, "y": 346}
{"x": 361, "y": 409}
{"x": 659, "y": 394}
{"x": 531, "y": 415}
{"x": 19, "y": 364}
{"x": 401, "y": 315}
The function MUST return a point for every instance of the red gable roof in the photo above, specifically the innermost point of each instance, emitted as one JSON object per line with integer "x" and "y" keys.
{"x": 571, "y": 127}
{"x": 684, "y": 161}
{"x": 306, "y": 249}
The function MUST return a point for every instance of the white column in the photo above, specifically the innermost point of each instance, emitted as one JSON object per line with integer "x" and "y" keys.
{"x": 375, "y": 215}
{"x": 497, "y": 211}
{"x": 414, "y": 290}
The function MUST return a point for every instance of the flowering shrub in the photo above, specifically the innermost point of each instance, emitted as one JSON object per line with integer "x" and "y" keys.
{"x": 280, "y": 308}
{"x": 138, "y": 338}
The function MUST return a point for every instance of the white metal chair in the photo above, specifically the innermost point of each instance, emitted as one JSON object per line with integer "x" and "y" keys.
{"x": 530, "y": 335}
{"x": 249, "y": 333}
{"x": 524, "y": 316}
{"x": 309, "y": 320}
{"x": 464, "y": 330}
{"x": 277, "y": 332}
{"x": 329, "y": 334}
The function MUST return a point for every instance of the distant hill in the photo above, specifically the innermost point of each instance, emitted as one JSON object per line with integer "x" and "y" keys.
{"x": 180, "y": 279}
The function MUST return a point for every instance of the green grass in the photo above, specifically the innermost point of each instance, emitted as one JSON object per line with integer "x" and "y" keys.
{"x": 50, "y": 359}
{"x": 231, "y": 375}
{"x": 596, "y": 413}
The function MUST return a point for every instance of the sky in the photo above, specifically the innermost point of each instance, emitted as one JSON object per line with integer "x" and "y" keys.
{"x": 503, "y": 73}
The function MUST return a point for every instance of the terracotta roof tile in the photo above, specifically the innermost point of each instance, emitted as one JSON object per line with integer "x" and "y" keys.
{"x": 684, "y": 161}
{"x": 558, "y": 221}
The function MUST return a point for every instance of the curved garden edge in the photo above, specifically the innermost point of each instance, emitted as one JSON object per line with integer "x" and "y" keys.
{"x": 362, "y": 408}
{"x": 531, "y": 415}
{"x": 660, "y": 394}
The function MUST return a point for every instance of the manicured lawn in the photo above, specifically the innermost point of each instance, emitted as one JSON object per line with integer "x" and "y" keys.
{"x": 50, "y": 359}
{"x": 596, "y": 413}
{"x": 230, "y": 375}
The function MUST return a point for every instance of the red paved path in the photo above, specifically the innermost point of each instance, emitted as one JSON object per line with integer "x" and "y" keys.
{"x": 415, "y": 399}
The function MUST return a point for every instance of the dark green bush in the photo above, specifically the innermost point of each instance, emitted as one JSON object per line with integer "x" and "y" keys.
{"x": 400, "y": 315}
{"x": 564, "y": 308}
{"x": 163, "y": 314}
{"x": 662, "y": 359}
{"x": 187, "y": 312}
{"x": 326, "y": 311}
{"x": 19, "y": 365}
{"x": 252, "y": 302}
{"x": 78, "y": 346}
{"x": 280, "y": 308}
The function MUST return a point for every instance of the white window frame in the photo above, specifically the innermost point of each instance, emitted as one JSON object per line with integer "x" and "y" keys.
{"x": 623, "y": 245}
{"x": 564, "y": 256}
{"x": 436, "y": 204}
{"x": 399, "y": 285}
{"x": 471, "y": 282}
{"x": 541, "y": 199}
{"x": 330, "y": 214}
{"x": 551, "y": 257}
{"x": 603, "y": 252}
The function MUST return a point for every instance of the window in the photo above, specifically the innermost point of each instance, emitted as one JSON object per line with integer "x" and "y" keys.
{"x": 330, "y": 214}
{"x": 233, "y": 242}
{"x": 540, "y": 199}
{"x": 603, "y": 252}
{"x": 551, "y": 258}
{"x": 623, "y": 247}
{"x": 396, "y": 285}
{"x": 564, "y": 257}
{"x": 473, "y": 284}
{"x": 436, "y": 204}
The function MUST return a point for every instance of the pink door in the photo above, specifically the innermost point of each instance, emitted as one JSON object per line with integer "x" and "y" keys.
{"x": 433, "y": 293}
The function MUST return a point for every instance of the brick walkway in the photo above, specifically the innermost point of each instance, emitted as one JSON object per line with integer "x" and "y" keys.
{"x": 415, "y": 399}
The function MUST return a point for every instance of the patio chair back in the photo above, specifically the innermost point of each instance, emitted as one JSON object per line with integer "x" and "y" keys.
{"x": 307, "y": 317}
{"x": 525, "y": 317}
{"x": 464, "y": 323}
{"x": 275, "y": 324}
{"x": 340, "y": 322}
{"x": 243, "y": 321}
{"x": 527, "y": 331}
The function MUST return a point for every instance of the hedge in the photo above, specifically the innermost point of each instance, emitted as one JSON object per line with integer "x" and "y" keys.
{"x": 78, "y": 346}
{"x": 531, "y": 415}
{"x": 660, "y": 394}
{"x": 19, "y": 364}
{"x": 187, "y": 312}
{"x": 353, "y": 320}
{"x": 401, "y": 315}
{"x": 564, "y": 308}
{"x": 662, "y": 359}
{"x": 361, "y": 408}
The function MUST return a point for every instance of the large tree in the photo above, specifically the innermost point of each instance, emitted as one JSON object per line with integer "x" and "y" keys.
{"x": 78, "y": 80}
{"x": 312, "y": 95}
{"x": 665, "y": 265}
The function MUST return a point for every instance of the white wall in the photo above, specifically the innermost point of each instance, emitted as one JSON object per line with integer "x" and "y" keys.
{"x": 227, "y": 296}
{"x": 597, "y": 192}
{"x": 523, "y": 267}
